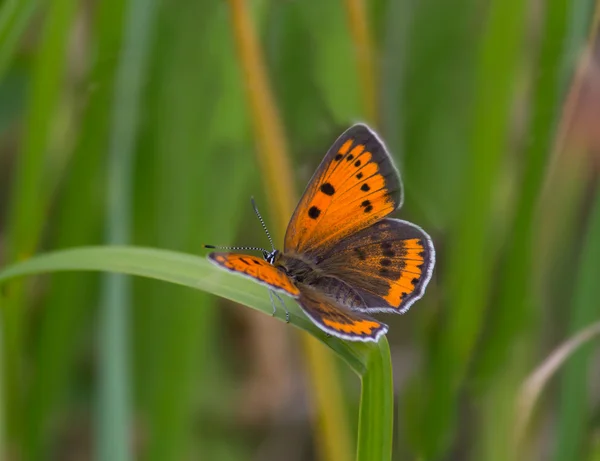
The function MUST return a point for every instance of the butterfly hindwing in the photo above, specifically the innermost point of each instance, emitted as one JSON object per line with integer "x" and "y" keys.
{"x": 355, "y": 186}
{"x": 257, "y": 269}
{"x": 389, "y": 264}
{"x": 337, "y": 320}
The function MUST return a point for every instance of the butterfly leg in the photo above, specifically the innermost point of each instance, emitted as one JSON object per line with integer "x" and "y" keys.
{"x": 272, "y": 303}
{"x": 287, "y": 314}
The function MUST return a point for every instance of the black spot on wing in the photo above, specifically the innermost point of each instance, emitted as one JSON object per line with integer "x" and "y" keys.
{"x": 360, "y": 253}
{"x": 387, "y": 250}
{"x": 314, "y": 212}
{"x": 365, "y": 187}
{"x": 367, "y": 206}
{"x": 327, "y": 189}
{"x": 359, "y": 176}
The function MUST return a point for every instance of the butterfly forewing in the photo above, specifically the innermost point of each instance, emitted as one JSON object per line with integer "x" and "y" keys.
{"x": 355, "y": 186}
{"x": 389, "y": 264}
{"x": 257, "y": 269}
{"x": 337, "y": 320}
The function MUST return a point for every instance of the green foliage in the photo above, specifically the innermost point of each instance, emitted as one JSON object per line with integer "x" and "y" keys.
{"x": 128, "y": 119}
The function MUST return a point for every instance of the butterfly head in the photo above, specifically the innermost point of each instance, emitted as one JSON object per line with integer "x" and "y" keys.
{"x": 271, "y": 256}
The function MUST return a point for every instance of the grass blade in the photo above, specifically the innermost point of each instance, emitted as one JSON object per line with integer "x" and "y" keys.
{"x": 274, "y": 161}
{"x": 4, "y": 448}
{"x": 376, "y": 417}
{"x": 575, "y": 407}
{"x": 365, "y": 65}
{"x": 14, "y": 18}
{"x": 468, "y": 272}
{"x": 537, "y": 381}
{"x": 30, "y": 189}
{"x": 178, "y": 351}
{"x": 182, "y": 269}
{"x": 370, "y": 361}
{"x": 515, "y": 307}
{"x": 505, "y": 353}
{"x": 67, "y": 306}
{"x": 114, "y": 418}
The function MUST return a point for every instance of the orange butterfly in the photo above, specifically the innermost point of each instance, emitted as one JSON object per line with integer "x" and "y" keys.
{"x": 342, "y": 257}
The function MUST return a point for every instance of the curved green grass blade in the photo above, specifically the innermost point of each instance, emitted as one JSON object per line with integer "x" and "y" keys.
{"x": 370, "y": 361}
{"x": 538, "y": 380}
{"x": 183, "y": 269}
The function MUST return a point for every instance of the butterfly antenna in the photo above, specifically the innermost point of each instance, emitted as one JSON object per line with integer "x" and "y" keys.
{"x": 214, "y": 247}
{"x": 262, "y": 221}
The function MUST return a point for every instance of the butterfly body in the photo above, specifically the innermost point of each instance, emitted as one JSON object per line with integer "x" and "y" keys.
{"x": 307, "y": 274}
{"x": 342, "y": 257}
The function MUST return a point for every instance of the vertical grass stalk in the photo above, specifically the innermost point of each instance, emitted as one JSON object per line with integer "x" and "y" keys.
{"x": 468, "y": 265}
{"x": 505, "y": 354}
{"x": 67, "y": 301}
{"x": 575, "y": 407}
{"x": 29, "y": 195}
{"x": 515, "y": 307}
{"x": 114, "y": 419}
{"x": 365, "y": 60}
{"x": 14, "y": 18}
{"x": 332, "y": 440}
{"x": 376, "y": 406}
{"x": 575, "y": 92}
{"x": 376, "y": 414}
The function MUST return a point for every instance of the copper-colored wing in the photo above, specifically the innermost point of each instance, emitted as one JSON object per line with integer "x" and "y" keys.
{"x": 388, "y": 264}
{"x": 338, "y": 321}
{"x": 355, "y": 186}
{"x": 257, "y": 269}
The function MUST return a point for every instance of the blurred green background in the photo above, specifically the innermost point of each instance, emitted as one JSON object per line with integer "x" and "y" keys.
{"x": 127, "y": 121}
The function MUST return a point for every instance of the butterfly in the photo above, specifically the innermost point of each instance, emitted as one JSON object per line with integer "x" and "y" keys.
{"x": 342, "y": 257}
